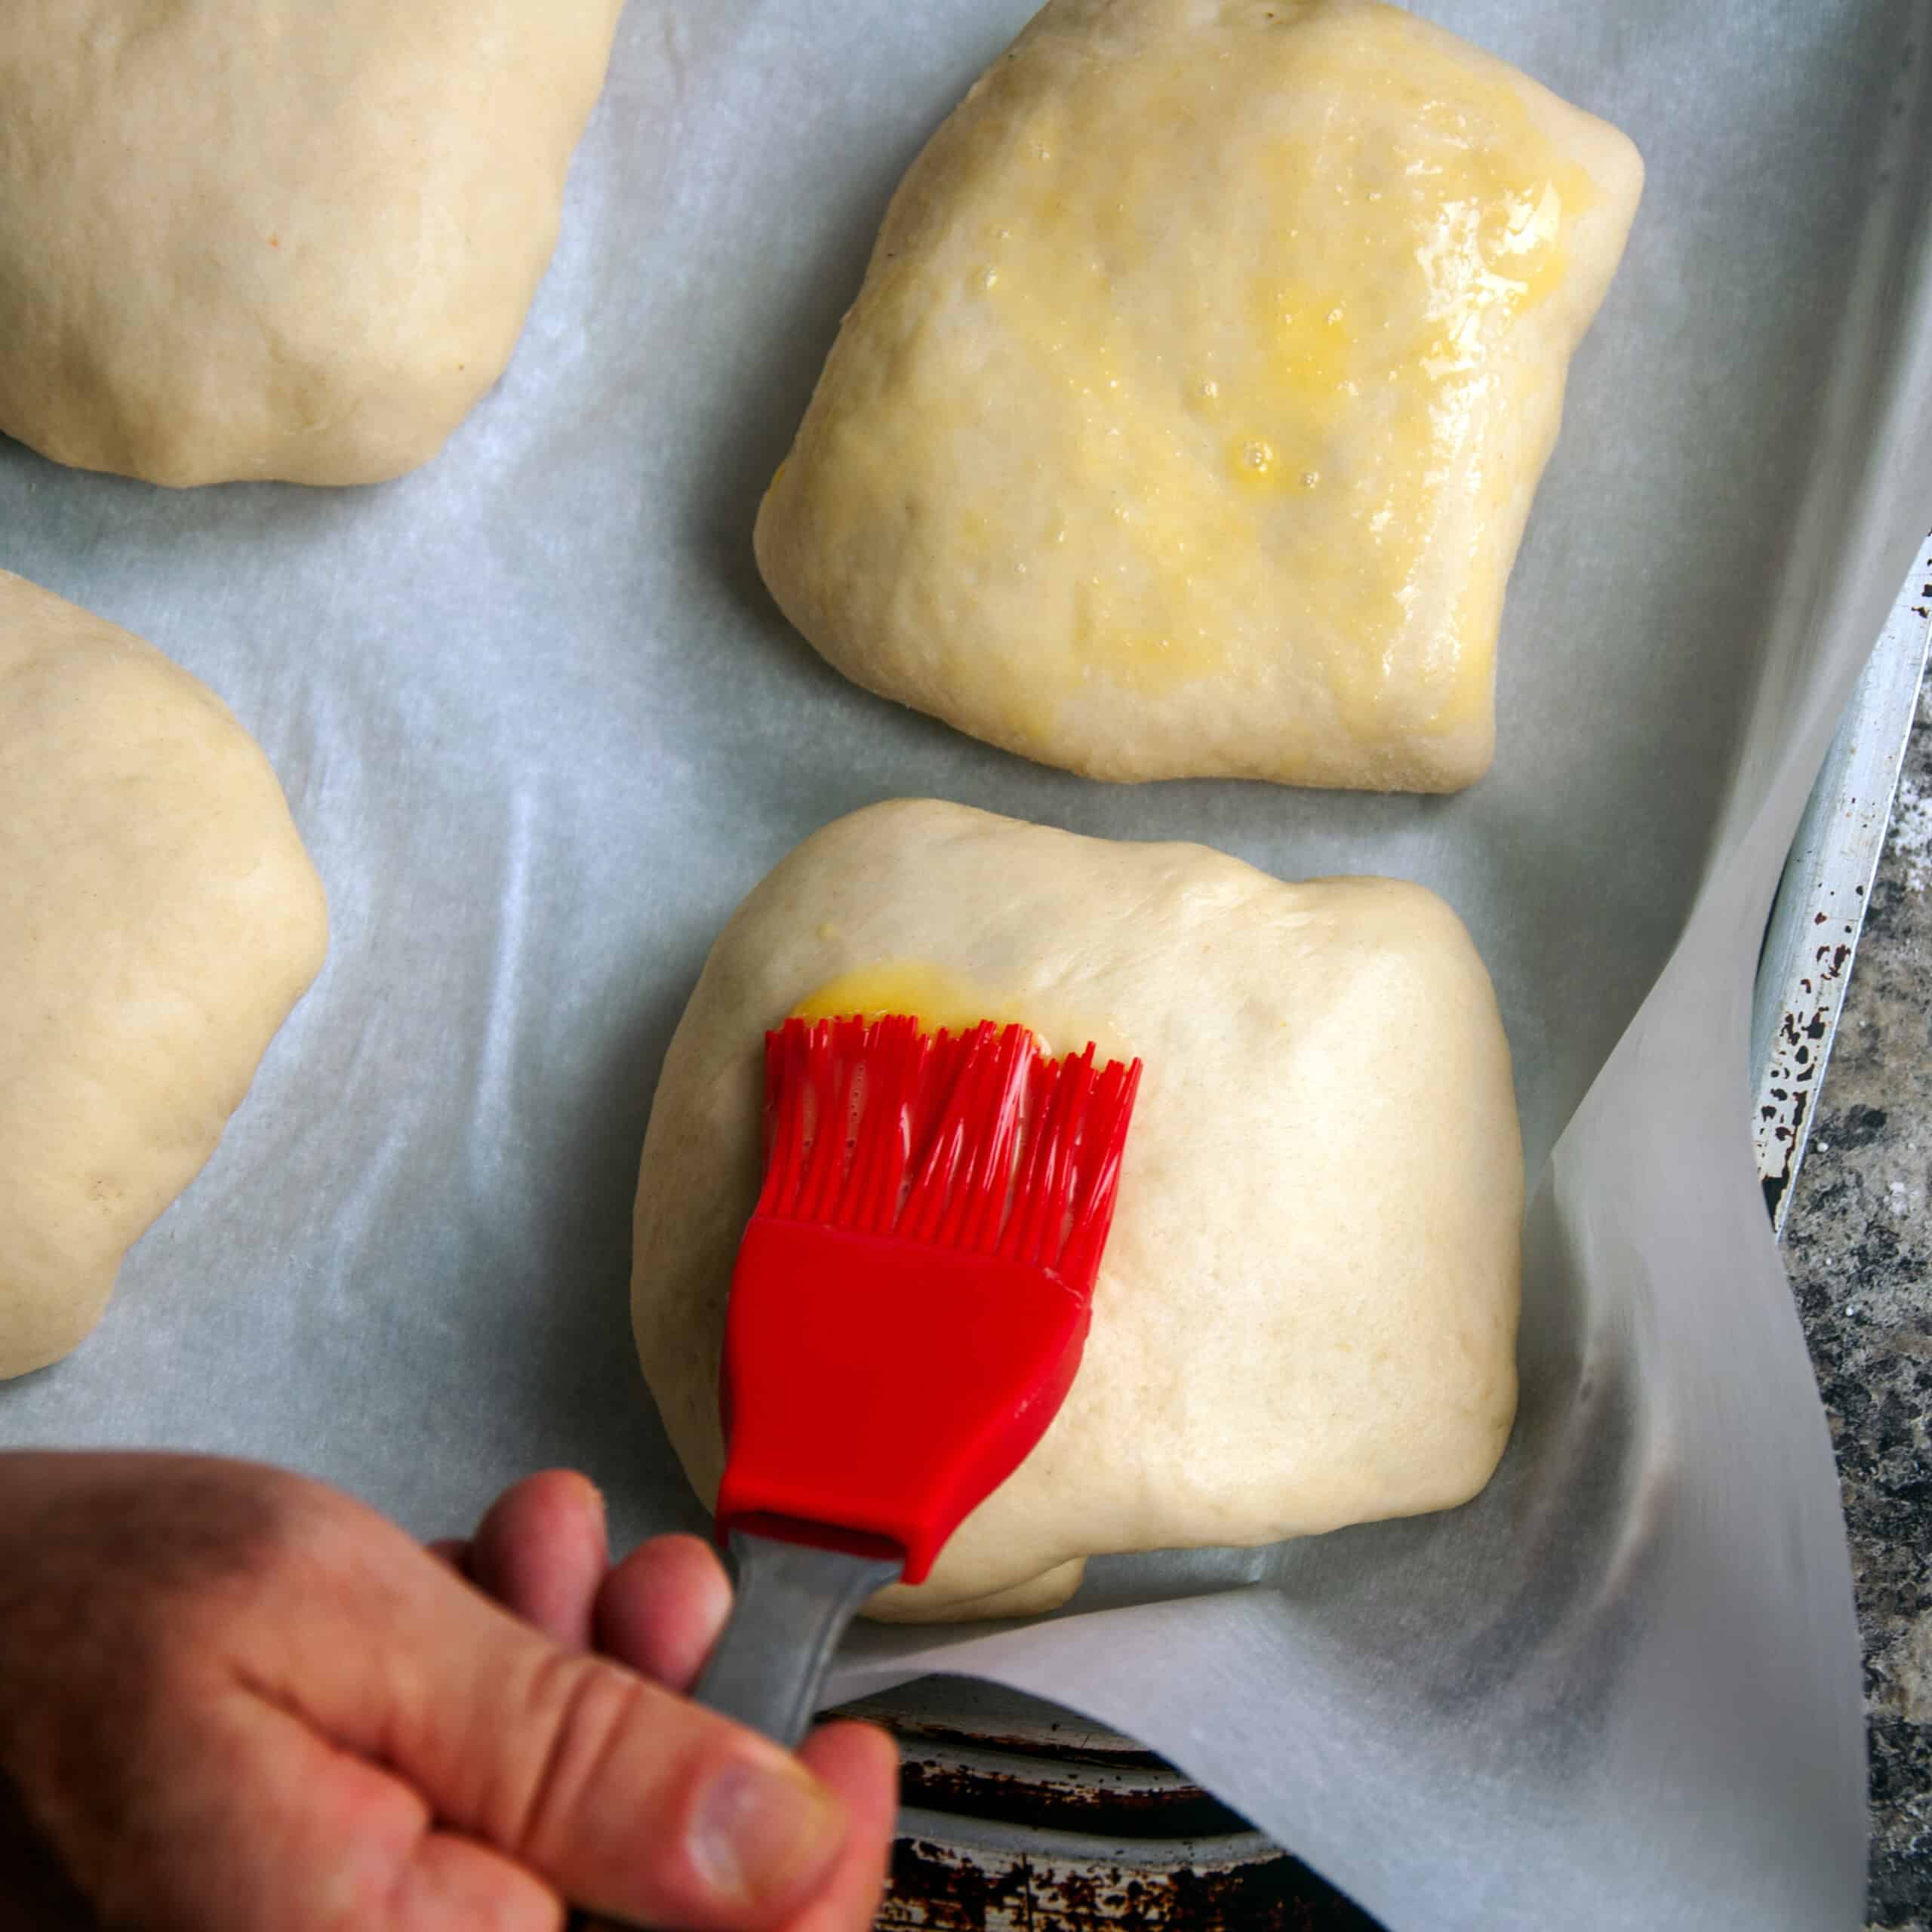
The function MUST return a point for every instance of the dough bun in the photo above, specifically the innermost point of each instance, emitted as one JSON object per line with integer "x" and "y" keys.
{"x": 1188, "y": 419}
{"x": 161, "y": 919}
{"x": 1307, "y": 1311}
{"x": 276, "y": 238}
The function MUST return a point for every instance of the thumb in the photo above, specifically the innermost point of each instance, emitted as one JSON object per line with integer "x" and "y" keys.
{"x": 625, "y": 1798}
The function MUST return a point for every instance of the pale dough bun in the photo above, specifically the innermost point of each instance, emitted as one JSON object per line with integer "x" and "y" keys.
{"x": 160, "y": 918}
{"x": 1307, "y": 1312}
{"x": 276, "y": 238}
{"x": 1189, "y": 417}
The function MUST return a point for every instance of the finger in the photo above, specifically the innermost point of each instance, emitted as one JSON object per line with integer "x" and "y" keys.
{"x": 541, "y": 1552}
{"x": 261, "y": 1825}
{"x": 454, "y": 1884}
{"x": 661, "y": 1609}
{"x": 635, "y": 1804}
{"x": 625, "y": 1798}
{"x": 861, "y": 1763}
{"x": 453, "y": 1550}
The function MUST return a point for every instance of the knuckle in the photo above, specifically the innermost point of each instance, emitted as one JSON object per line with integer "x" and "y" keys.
{"x": 579, "y": 1712}
{"x": 126, "y": 1600}
{"x": 109, "y": 1623}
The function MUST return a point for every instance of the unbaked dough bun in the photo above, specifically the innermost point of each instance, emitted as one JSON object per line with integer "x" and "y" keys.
{"x": 1188, "y": 419}
{"x": 289, "y": 238}
{"x": 159, "y": 918}
{"x": 1307, "y": 1311}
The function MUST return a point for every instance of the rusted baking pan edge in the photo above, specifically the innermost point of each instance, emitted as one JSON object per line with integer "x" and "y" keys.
{"x": 1805, "y": 964}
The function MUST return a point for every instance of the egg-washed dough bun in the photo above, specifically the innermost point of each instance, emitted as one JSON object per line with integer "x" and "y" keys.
{"x": 276, "y": 238}
{"x": 1187, "y": 420}
{"x": 159, "y": 917}
{"x": 1306, "y": 1314}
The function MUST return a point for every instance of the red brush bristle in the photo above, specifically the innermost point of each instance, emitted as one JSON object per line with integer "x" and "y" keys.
{"x": 975, "y": 1142}
{"x": 911, "y": 1297}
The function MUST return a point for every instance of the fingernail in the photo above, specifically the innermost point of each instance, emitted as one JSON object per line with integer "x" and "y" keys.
{"x": 759, "y": 1826}
{"x": 594, "y": 1497}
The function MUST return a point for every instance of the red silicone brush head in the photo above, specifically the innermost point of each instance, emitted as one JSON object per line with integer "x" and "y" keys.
{"x": 912, "y": 1294}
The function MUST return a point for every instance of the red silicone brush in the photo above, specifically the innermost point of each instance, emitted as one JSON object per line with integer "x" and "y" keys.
{"x": 909, "y": 1306}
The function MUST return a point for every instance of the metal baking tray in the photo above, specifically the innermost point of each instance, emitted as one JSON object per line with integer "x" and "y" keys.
{"x": 1021, "y": 1815}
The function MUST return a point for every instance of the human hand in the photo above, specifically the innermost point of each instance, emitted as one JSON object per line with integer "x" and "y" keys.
{"x": 231, "y": 1700}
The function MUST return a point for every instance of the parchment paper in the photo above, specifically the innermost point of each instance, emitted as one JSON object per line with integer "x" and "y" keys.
{"x": 542, "y": 728}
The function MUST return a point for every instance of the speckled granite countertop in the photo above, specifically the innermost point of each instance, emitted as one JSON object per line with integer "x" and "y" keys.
{"x": 1859, "y": 1246}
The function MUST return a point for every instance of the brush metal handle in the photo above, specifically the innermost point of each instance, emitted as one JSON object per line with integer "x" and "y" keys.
{"x": 793, "y": 1607}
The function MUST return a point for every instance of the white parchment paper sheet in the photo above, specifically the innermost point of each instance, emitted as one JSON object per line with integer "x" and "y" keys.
{"x": 542, "y": 728}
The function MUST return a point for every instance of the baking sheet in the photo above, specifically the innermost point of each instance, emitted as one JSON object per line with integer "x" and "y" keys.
{"x": 1811, "y": 941}
{"x": 542, "y": 728}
